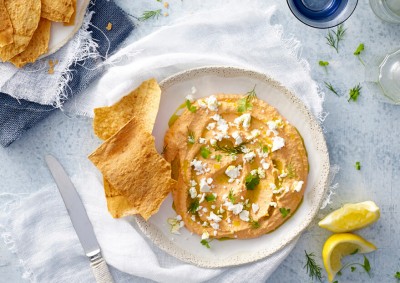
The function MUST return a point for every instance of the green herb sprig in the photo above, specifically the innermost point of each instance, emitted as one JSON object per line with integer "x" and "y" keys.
{"x": 206, "y": 243}
{"x": 231, "y": 150}
{"x": 313, "y": 269}
{"x": 204, "y": 152}
{"x": 331, "y": 88}
{"x": 244, "y": 103}
{"x": 284, "y": 211}
{"x": 150, "y": 15}
{"x": 334, "y": 37}
{"x": 210, "y": 198}
{"x": 254, "y": 224}
{"x": 358, "y": 165}
{"x": 366, "y": 266}
{"x": 358, "y": 51}
{"x": 354, "y": 93}
{"x": 194, "y": 205}
{"x": 251, "y": 181}
{"x": 397, "y": 275}
{"x": 231, "y": 196}
{"x": 190, "y": 107}
{"x": 324, "y": 64}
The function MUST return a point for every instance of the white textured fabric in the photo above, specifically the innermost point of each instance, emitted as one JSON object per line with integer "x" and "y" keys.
{"x": 241, "y": 37}
{"x": 39, "y": 231}
{"x": 53, "y": 87}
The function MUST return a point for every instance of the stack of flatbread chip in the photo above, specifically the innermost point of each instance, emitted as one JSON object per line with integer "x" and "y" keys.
{"x": 25, "y": 27}
{"x": 136, "y": 178}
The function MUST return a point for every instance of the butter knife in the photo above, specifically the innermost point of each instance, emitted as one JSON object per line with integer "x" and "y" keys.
{"x": 80, "y": 221}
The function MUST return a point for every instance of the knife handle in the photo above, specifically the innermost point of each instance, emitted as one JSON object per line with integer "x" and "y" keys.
{"x": 100, "y": 269}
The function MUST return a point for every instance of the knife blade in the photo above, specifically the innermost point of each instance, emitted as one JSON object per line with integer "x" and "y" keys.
{"x": 80, "y": 221}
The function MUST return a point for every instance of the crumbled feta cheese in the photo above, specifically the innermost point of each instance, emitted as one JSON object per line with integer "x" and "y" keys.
{"x": 253, "y": 172}
{"x": 273, "y": 204}
{"x": 237, "y": 137}
{"x": 272, "y": 186}
{"x": 282, "y": 175}
{"x": 298, "y": 185}
{"x": 193, "y": 192}
{"x": 205, "y": 235}
{"x": 278, "y": 143}
{"x": 176, "y": 223}
{"x": 255, "y": 207}
{"x": 248, "y": 157}
{"x": 228, "y": 220}
{"x": 243, "y": 120}
{"x": 201, "y": 103}
{"x": 222, "y": 126}
{"x": 219, "y": 136}
{"x": 235, "y": 208}
{"x": 198, "y": 166}
{"x": 213, "y": 141}
{"x": 178, "y": 217}
{"x": 215, "y": 226}
{"x": 202, "y": 198}
{"x": 265, "y": 165}
{"x": 261, "y": 153}
{"x": 193, "y": 218}
{"x": 194, "y": 90}
{"x": 214, "y": 217}
{"x": 193, "y": 183}
{"x": 261, "y": 172}
{"x": 212, "y": 206}
{"x": 216, "y": 117}
{"x": 215, "y": 232}
{"x": 209, "y": 180}
{"x": 205, "y": 209}
{"x": 202, "y": 140}
{"x": 205, "y": 223}
{"x": 204, "y": 186}
{"x": 212, "y": 103}
{"x": 189, "y": 97}
{"x": 233, "y": 157}
{"x": 210, "y": 126}
{"x": 233, "y": 171}
{"x": 255, "y": 133}
{"x": 244, "y": 215}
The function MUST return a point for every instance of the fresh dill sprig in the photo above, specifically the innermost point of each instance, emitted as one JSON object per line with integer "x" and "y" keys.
{"x": 331, "y": 88}
{"x": 231, "y": 196}
{"x": 194, "y": 205}
{"x": 150, "y": 15}
{"x": 358, "y": 51}
{"x": 206, "y": 243}
{"x": 231, "y": 150}
{"x": 354, "y": 93}
{"x": 334, "y": 37}
{"x": 313, "y": 269}
{"x": 244, "y": 103}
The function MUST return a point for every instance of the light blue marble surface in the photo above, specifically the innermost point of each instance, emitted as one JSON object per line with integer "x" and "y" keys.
{"x": 367, "y": 131}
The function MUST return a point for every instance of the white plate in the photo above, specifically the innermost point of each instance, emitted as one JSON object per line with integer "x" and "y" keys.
{"x": 60, "y": 34}
{"x": 210, "y": 80}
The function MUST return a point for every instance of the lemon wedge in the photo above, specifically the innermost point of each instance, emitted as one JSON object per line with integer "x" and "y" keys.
{"x": 340, "y": 245}
{"x": 351, "y": 216}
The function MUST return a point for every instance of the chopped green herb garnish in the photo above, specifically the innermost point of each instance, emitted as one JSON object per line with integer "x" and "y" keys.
{"x": 285, "y": 212}
{"x": 231, "y": 196}
{"x": 205, "y": 243}
{"x": 334, "y": 37}
{"x": 210, "y": 198}
{"x": 335, "y": 281}
{"x": 358, "y": 165}
{"x": 218, "y": 157}
{"x": 323, "y": 63}
{"x": 354, "y": 93}
{"x": 190, "y": 107}
{"x": 254, "y": 224}
{"x": 231, "y": 150}
{"x": 265, "y": 149}
{"x": 204, "y": 152}
{"x": 244, "y": 103}
{"x": 313, "y": 269}
{"x": 353, "y": 268}
{"x": 191, "y": 138}
{"x": 358, "y": 52}
{"x": 194, "y": 205}
{"x": 252, "y": 181}
{"x": 355, "y": 251}
{"x": 331, "y": 88}
{"x": 397, "y": 275}
{"x": 149, "y": 15}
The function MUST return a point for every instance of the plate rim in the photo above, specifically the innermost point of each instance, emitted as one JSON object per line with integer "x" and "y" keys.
{"x": 322, "y": 184}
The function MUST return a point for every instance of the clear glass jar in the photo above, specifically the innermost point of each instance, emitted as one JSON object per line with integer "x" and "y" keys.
{"x": 387, "y": 10}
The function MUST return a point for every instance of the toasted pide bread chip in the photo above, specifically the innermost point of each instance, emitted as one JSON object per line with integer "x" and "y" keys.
{"x": 142, "y": 103}
{"x": 6, "y": 29}
{"x": 130, "y": 163}
{"x": 25, "y": 17}
{"x": 36, "y": 47}
{"x": 58, "y": 10}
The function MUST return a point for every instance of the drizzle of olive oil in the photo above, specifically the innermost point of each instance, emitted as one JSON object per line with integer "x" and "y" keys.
{"x": 175, "y": 116}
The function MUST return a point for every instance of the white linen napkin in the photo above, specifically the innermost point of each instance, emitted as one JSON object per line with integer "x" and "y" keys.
{"x": 39, "y": 231}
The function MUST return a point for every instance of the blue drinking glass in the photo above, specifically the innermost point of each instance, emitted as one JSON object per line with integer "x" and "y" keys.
{"x": 322, "y": 13}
